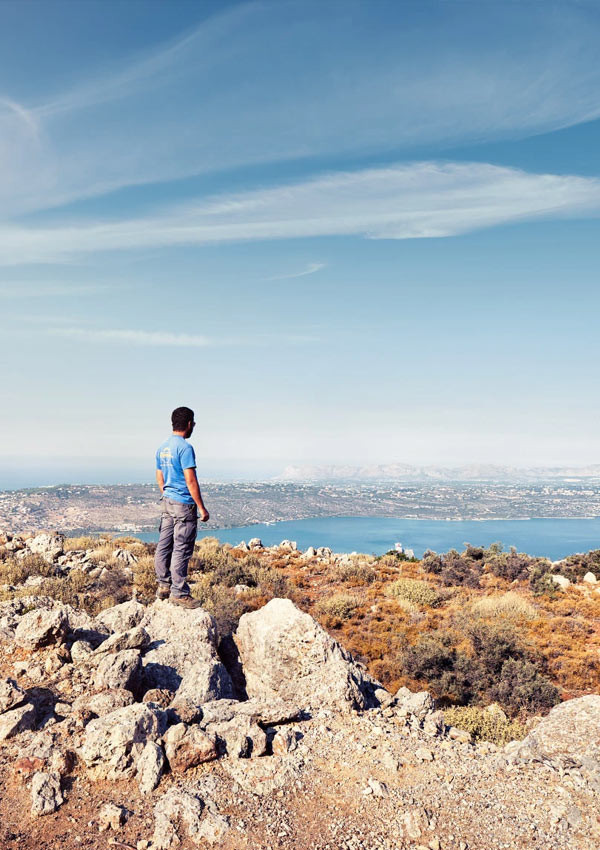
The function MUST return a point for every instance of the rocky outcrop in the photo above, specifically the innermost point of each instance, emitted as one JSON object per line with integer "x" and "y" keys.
{"x": 568, "y": 737}
{"x": 183, "y": 650}
{"x": 121, "y": 618}
{"x": 42, "y": 627}
{"x": 47, "y": 546}
{"x": 113, "y": 744}
{"x": 286, "y": 654}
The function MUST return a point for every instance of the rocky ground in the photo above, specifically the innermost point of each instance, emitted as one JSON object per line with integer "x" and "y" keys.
{"x": 129, "y": 729}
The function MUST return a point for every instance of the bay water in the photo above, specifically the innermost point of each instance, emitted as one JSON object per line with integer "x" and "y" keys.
{"x": 551, "y": 538}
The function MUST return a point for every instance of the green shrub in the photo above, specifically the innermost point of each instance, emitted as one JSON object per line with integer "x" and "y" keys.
{"x": 485, "y": 725}
{"x": 540, "y": 579}
{"x": 522, "y": 688}
{"x": 415, "y": 591}
{"x": 434, "y": 660}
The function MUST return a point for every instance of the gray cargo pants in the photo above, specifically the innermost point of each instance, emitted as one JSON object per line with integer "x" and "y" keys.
{"x": 178, "y": 528}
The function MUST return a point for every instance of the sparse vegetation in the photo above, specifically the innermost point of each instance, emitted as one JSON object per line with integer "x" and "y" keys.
{"x": 485, "y": 725}
{"x": 417, "y": 592}
{"x": 473, "y": 627}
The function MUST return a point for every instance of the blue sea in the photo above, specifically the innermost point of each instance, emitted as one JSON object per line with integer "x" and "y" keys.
{"x": 552, "y": 538}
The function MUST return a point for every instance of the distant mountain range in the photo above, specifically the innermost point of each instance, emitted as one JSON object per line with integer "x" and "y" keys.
{"x": 406, "y": 472}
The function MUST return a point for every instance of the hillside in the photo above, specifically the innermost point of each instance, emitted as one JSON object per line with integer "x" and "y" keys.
{"x": 315, "y": 701}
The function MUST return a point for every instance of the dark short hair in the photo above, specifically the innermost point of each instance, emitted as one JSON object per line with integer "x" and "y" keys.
{"x": 180, "y": 418}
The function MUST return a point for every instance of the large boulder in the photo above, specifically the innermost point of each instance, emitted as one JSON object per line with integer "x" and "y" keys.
{"x": 286, "y": 654}
{"x": 135, "y": 638}
{"x": 183, "y": 649}
{"x": 113, "y": 744}
{"x": 42, "y": 627}
{"x": 119, "y": 670}
{"x": 204, "y": 681}
{"x": 121, "y": 618}
{"x": 569, "y": 736}
{"x": 48, "y": 546}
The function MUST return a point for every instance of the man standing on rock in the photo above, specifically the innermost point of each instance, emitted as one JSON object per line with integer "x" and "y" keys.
{"x": 181, "y": 502}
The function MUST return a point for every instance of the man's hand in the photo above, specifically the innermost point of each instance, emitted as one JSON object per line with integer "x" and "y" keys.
{"x": 204, "y": 516}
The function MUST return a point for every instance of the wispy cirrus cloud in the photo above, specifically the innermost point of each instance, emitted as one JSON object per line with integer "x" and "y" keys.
{"x": 409, "y": 201}
{"x": 46, "y": 289}
{"x": 128, "y": 336}
{"x": 272, "y": 81}
{"x": 311, "y": 268}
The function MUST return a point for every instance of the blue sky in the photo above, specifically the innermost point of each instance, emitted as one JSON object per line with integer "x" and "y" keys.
{"x": 346, "y": 232}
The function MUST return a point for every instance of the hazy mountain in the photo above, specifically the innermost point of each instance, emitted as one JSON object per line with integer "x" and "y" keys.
{"x": 406, "y": 472}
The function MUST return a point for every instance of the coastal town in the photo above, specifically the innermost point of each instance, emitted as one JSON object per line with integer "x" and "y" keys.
{"x": 135, "y": 508}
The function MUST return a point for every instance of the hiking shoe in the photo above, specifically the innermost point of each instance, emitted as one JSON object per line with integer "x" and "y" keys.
{"x": 186, "y": 601}
{"x": 163, "y": 592}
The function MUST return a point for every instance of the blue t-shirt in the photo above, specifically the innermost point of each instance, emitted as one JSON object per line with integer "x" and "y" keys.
{"x": 172, "y": 457}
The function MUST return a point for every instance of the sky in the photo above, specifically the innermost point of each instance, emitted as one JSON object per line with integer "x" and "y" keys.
{"x": 343, "y": 233}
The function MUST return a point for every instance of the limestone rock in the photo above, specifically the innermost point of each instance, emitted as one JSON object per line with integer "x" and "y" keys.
{"x": 111, "y": 817}
{"x": 240, "y": 737}
{"x": 182, "y": 639}
{"x": 48, "y": 546}
{"x": 286, "y": 654}
{"x": 81, "y": 651}
{"x": 183, "y": 710}
{"x": 568, "y": 736}
{"x": 46, "y": 795}
{"x": 105, "y": 702}
{"x": 255, "y": 543}
{"x": 135, "y": 638}
{"x": 590, "y": 578}
{"x": 17, "y": 720}
{"x": 121, "y": 670}
{"x": 561, "y": 581}
{"x": 150, "y": 767}
{"x": 213, "y": 827}
{"x": 310, "y": 552}
{"x": 112, "y": 744}
{"x": 160, "y": 697}
{"x": 11, "y": 695}
{"x": 187, "y": 747}
{"x": 177, "y": 809}
{"x": 419, "y": 704}
{"x": 204, "y": 681}
{"x": 42, "y": 627}
{"x": 121, "y": 618}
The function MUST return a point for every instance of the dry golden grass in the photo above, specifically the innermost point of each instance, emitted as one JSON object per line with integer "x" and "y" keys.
{"x": 508, "y": 606}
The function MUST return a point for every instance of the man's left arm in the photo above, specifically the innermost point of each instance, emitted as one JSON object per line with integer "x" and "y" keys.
{"x": 192, "y": 484}
{"x": 160, "y": 480}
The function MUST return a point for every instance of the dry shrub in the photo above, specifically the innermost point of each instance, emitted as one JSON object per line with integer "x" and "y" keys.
{"x": 509, "y": 606}
{"x": 485, "y": 725}
{"x": 144, "y": 578}
{"x": 415, "y": 591}
{"x": 17, "y": 570}
{"x": 74, "y": 544}
{"x": 339, "y": 607}
{"x": 409, "y": 608}
{"x": 354, "y": 572}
